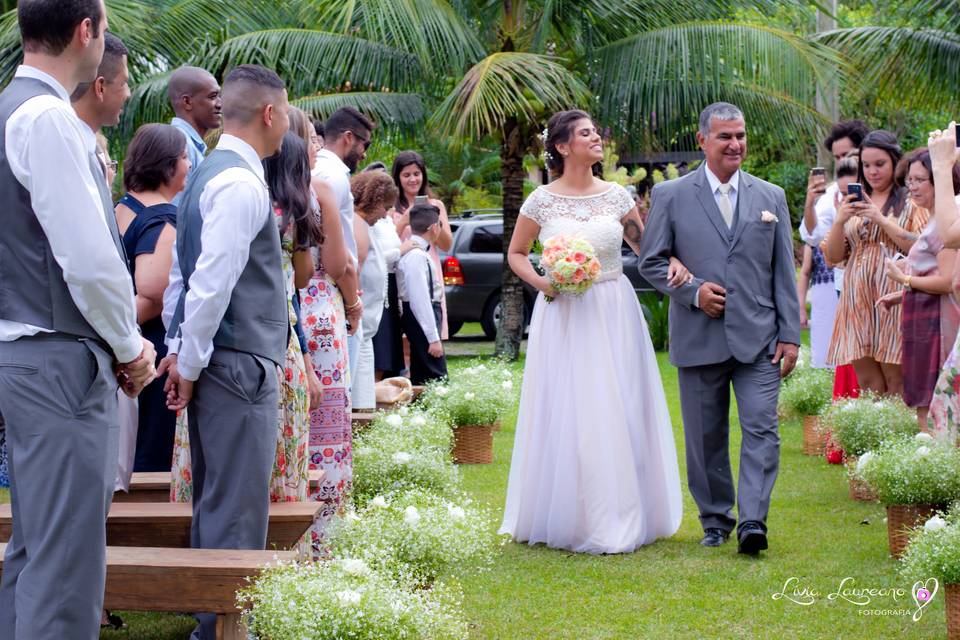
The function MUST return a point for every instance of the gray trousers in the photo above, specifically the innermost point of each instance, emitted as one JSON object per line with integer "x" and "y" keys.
{"x": 705, "y": 403}
{"x": 233, "y": 442}
{"x": 58, "y": 397}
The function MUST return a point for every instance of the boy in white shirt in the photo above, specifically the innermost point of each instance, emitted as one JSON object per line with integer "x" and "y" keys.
{"x": 420, "y": 289}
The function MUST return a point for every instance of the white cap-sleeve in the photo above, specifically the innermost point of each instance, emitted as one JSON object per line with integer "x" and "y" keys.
{"x": 624, "y": 202}
{"x": 532, "y": 207}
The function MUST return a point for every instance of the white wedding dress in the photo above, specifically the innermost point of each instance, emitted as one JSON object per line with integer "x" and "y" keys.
{"x": 594, "y": 462}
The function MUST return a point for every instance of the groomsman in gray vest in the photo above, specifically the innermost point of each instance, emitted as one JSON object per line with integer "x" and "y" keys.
{"x": 68, "y": 331}
{"x": 736, "y": 323}
{"x": 229, "y": 330}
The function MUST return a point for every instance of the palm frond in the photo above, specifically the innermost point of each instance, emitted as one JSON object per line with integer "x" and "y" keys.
{"x": 314, "y": 60}
{"x": 387, "y": 109}
{"x": 505, "y": 85}
{"x": 432, "y": 30}
{"x": 921, "y": 66}
{"x": 652, "y": 86}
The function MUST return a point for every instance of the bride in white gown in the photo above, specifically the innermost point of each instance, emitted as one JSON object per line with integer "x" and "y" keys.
{"x": 594, "y": 462}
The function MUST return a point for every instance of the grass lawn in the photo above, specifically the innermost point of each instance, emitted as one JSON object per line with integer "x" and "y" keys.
{"x": 675, "y": 588}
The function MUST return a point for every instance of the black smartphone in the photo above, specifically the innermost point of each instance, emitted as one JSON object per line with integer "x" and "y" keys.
{"x": 855, "y": 189}
{"x": 958, "y": 135}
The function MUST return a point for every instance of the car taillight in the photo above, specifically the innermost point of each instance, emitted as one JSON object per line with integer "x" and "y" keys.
{"x": 451, "y": 271}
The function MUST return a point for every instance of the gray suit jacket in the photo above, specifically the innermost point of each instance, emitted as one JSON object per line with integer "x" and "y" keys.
{"x": 756, "y": 268}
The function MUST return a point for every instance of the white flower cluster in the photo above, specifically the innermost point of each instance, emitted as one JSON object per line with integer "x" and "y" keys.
{"x": 934, "y": 550}
{"x": 913, "y": 471}
{"x": 863, "y": 424}
{"x": 807, "y": 392}
{"x": 478, "y": 394}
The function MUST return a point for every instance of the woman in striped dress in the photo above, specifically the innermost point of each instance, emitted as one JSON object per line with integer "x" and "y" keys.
{"x": 885, "y": 223}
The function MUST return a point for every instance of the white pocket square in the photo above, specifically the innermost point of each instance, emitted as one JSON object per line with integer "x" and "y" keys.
{"x": 766, "y": 216}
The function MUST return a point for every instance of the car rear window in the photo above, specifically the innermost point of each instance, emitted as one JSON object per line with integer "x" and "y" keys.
{"x": 487, "y": 239}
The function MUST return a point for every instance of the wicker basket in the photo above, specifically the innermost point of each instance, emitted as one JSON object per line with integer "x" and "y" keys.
{"x": 953, "y": 611}
{"x": 901, "y": 518}
{"x": 859, "y": 489}
{"x": 814, "y": 436}
{"x": 473, "y": 444}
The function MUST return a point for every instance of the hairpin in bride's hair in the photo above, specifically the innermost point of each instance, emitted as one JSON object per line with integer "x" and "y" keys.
{"x": 543, "y": 138}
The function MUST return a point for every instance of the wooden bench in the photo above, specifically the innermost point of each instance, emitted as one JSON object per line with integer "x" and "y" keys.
{"x": 155, "y": 487}
{"x": 154, "y": 579}
{"x": 167, "y": 524}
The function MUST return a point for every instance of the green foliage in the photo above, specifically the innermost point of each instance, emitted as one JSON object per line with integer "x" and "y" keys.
{"x": 862, "y": 424}
{"x": 656, "y": 311}
{"x": 915, "y": 470}
{"x": 806, "y": 392}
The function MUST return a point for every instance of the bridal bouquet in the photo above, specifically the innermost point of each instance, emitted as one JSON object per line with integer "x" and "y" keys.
{"x": 570, "y": 264}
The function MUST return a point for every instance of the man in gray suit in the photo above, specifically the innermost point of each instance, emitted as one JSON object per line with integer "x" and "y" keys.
{"x": 68, "y": 330}
{"x": 736, "y": 322}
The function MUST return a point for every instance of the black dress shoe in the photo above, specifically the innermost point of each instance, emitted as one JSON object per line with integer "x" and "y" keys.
{"x": 752, "y": 539}
{"x": 714, "y": 537}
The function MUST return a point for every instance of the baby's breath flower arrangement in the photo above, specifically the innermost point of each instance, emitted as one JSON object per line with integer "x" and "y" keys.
{"x": 934, "y": 550}
{"x": 807, "y": 392}
{"x": 862, "y": 424}
{"x": 348, "y": 599}
{"x": 412, "y": 429}
{"x": 913, "y": 471}
{"x": 417, "y": 537}
{"x": 479, "y": 394}
{"x": 386, "y": 460}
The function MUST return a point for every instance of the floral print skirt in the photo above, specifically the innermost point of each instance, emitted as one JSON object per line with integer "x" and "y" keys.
{"x": 324, "y": 324}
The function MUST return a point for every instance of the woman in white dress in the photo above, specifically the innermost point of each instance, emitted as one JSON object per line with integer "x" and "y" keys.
{"x": 594, "y": 462}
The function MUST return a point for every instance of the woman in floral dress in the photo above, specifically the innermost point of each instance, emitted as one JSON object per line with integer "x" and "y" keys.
{"x": 322, "y": 311}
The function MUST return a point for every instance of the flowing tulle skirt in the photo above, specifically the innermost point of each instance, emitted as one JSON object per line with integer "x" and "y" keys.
{"x": 594, "y": 461}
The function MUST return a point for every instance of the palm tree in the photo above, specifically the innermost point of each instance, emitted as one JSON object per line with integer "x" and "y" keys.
{"x": 914, "y": 60}
{"x": 488, "y": 69}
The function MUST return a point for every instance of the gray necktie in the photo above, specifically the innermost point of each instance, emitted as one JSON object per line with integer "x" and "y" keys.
{"x": 726, "y": 207}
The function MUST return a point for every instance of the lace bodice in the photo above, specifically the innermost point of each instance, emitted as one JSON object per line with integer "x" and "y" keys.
{"x": 595, "y": 218}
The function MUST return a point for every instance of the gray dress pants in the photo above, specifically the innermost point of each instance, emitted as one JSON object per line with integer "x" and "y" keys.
{"x": 705, "y": 403}
{"x": 58, "y": 397}
{"x": 233, "y": 442}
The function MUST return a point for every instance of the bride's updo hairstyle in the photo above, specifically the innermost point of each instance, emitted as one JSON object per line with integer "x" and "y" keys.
{"x": 559, "y": 130}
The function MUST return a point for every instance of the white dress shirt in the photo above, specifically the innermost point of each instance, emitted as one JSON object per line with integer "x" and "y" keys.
{"x": 234, "y": 206}
{"x": 386, "y": 232}
{"x": 826, "y": 213}
{"x": 715, "y": 183}
{"x": 414, "y": 272}
{"x": 330, "y": 168}
{"x": 48, "y": 148}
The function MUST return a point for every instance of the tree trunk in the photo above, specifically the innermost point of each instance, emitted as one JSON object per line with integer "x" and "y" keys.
{"x": 510, "y": 331}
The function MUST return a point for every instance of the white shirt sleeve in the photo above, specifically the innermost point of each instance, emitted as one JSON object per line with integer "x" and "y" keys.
{"x": 414, "y": 268}
{"x": 823, "y": 209}
{"x": 47, "y": 156}
{"x": 233, "y": 207}
{"x": 171, "y": 296}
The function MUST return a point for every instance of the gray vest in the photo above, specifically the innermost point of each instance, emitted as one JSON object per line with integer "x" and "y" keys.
{"x": 256, "y": 319}
{"x": 32, "y": 288}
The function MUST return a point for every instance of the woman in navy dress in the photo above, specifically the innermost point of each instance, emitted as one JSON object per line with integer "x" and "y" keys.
{"x": 154, "y": 171}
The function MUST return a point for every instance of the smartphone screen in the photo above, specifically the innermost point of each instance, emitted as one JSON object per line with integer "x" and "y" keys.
{"x": 855, "y": 189}
{"x": 819, "y": 172}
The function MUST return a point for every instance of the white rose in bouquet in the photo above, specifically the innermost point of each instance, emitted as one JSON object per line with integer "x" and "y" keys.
{"x": 380, "y": 502}
{"x": 402, "y": 457}
{"x": 411, "y": 516}
{"x": 935, "y": 524}
{"x": 923, "y": 437}
{"x": 394, "y": 420}
{"x": 457, "y": 514}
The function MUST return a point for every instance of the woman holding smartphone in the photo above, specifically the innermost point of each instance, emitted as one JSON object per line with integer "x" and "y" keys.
{"x": 930, "y": 315}
{"x": 885, "y": 222}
